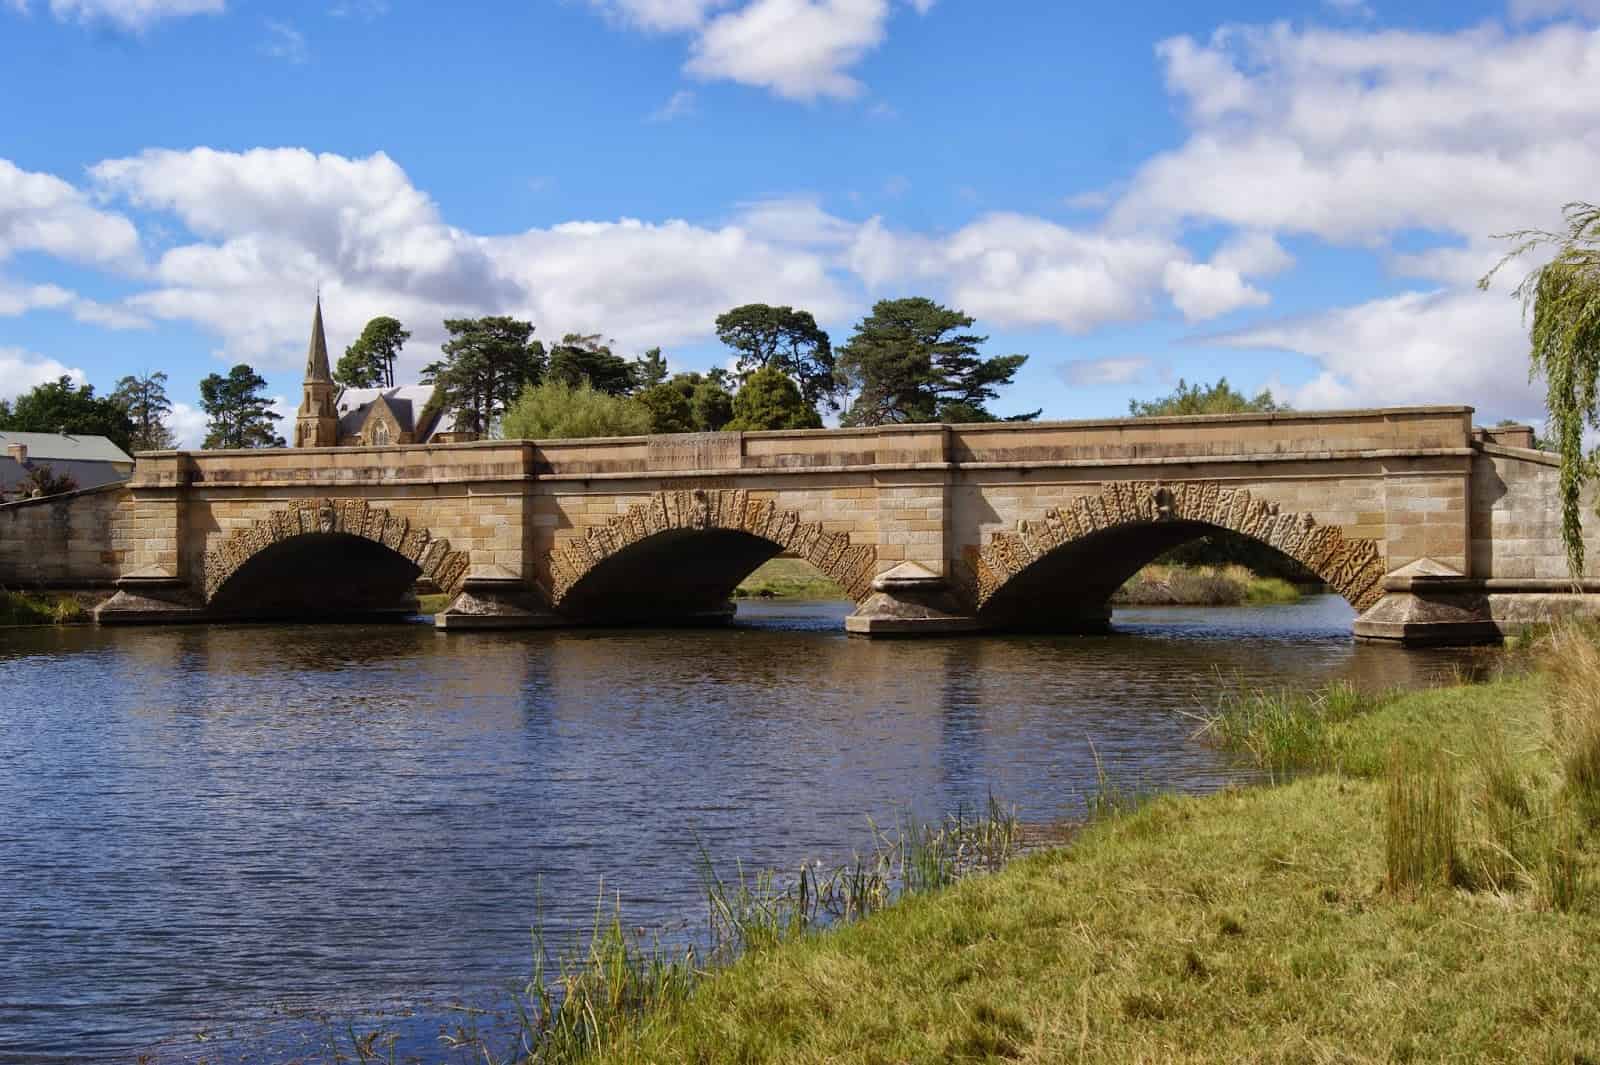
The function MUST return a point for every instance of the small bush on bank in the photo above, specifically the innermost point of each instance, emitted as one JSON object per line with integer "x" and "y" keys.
{"x": 25, "y": 608}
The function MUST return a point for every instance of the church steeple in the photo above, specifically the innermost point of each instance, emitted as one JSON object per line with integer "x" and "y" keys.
{"x": 317, "y": 352}
{"x": 316, "y": 424}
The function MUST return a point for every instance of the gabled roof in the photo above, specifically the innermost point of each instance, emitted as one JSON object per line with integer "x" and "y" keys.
{"x": 406, "y": 402}
{"x": 66, "y": 447}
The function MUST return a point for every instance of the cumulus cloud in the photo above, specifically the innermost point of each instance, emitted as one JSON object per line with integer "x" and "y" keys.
{"x": 797, "y": 49}
{"x": 21, "y": 370}
{"x": 1089, "y": 373}
{"x": 1357, "y": 138}
{"x": 128, "y": 14}
{"x": 40, "y": 212}
{"x": 1017, "y": 269}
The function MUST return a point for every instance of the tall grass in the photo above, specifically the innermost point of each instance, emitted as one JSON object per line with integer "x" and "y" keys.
{"x": 1230, "y": 585}
{"x": 1573, "y": 660}
{"x": 1281, "y": 730}
{"x": 1420, "y": 825}
{"x": 26, "y": 608}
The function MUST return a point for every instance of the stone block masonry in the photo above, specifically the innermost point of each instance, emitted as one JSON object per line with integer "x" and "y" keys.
{"x": 981, "y": 526}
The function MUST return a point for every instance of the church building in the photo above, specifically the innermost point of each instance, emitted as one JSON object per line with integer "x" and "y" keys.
{"x": 332, "y": 416}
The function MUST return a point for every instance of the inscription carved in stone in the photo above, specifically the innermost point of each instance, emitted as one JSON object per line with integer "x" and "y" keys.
{"x": 1353, "y": 568}
{"x": 851, "y": 566}
{"x": 693, "y": 451}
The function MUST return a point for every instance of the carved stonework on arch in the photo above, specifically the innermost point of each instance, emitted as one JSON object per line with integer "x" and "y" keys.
{"x": 851, "y": 566}
{"x": 1352, "y": 567}
{"x": 351, "y": 517}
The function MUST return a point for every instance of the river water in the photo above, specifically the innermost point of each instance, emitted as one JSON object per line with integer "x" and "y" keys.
{"x": 207, "y": 832}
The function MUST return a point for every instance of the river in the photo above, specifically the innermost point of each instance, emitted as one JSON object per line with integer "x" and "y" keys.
{"x": 206, "y": 832}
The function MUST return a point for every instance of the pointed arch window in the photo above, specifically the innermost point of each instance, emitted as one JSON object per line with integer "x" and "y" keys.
{"x": 380, "y": 434}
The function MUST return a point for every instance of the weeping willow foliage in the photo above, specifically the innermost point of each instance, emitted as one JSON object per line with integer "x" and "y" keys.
{"x": 1562, "y": 297}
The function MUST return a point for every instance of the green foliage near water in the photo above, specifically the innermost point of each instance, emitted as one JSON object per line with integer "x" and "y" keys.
{"x": 1562, "y": 298}
{"x": 1172, "y": 585}
{"x": 40, "y": 608}
{"x": 555, "y": 410}
{"x": 788, "y": 578}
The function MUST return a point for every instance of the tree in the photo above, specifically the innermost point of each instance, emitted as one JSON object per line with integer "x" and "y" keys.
{"x": 650, "y": 369}
{"x": 581, "y": 358}
{"x": 238, "y": 415}
{"x": 145, "y": 400}
{"x": 1563, "y": 297}
{"x": 1220, "y": 398}
{"x": 911, "y": 363}
{"x": 670, "y": 410}
{"x": 555, "y": 410}
{"x": 43, "y": 481}
{"x": 60, "y": 406}
{"x": 785, "y": 339}
{"x": 770, "y": 399}
{"x": 710, "y": 402}
{"x": 369, "y": 362}
{"x": 487, "y": 363}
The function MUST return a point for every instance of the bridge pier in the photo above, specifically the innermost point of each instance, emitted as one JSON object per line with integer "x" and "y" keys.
{"x": 492, "y": 597}
{"x": 151, "y": 596}
{"x": 911, "y": 600}
{"x": 1425, "y": 604}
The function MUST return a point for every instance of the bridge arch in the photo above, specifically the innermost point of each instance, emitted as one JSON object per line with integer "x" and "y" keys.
{"x": 1093, "y": 544}
{"x": 683, "y": 553}
{"x": 327, "y": 554}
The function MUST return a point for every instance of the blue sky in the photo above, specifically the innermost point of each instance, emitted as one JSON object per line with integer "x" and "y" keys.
{"x": 1297, "y": 196}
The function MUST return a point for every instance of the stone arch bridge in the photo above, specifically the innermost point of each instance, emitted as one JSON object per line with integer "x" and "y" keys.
{"x": 1433, "y": 531}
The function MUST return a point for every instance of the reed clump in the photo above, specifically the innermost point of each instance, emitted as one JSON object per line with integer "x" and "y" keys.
{"x": 1421, "y": 797}
{"x": 1283, "y": 731}
{"x": 1572, "y": 657}
{"x": 29, "y": 608}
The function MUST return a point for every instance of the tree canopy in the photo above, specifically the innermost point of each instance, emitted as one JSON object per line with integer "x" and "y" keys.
{"x": 785, "y": 339}
{"x": 769, "y": 399}
{"x": 710, "y": 402}
{"x": 61, "y": 406}
{"x": 369, "y": 362}
{"x": 580, "y": 358}
{"x": 1220, "y": 398}
{"x": 238, "y": 412}
{"x": 911, "y": 361}
{"x": 670, "y": 410}
{"x": 650, "y": 369}
{"x": 555, "y": 410}
{"x": 1563, "y": 299}
{"x": 487, "y": 363}
{"x": 145, "y": 400}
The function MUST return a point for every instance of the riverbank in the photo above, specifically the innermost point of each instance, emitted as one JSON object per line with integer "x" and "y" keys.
{"x": 44, "y": 608}
{"x": 788, "y": 578}
{"x": 1424, "y": 889}
{"x": 1159, "y": 585}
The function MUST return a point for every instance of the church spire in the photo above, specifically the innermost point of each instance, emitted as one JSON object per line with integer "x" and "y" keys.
{"x": 317, "y": 352}
{"x": 316, "y": 424}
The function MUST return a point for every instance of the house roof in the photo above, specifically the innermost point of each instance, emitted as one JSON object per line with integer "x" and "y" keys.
{"x": 64, "y": 447}
{"x": 406, "y": 401}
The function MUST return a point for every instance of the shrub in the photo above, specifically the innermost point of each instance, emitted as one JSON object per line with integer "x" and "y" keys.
{"x": 555, "y": 410}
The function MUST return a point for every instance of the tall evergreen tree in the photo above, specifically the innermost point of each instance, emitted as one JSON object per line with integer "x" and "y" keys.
{"x": 369, "y": 362}
{"x": 579, "y": 359}
{"x": 912, "y": 362}
{"x": 60, "y": 406}
{"x": 788, "y": 340}
{"x": 650, "y": 369}
{"x": 487, "y": 363}
{"x": 238, "y": 412}
{"x": 145, "y": 400}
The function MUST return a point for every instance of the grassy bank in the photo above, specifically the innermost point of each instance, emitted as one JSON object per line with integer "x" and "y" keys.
{"x": 1426, "y": 887}
{"x": 43, "y": 608}
{"x": 787, "y": 578}
{"x": 1160, "y": 585}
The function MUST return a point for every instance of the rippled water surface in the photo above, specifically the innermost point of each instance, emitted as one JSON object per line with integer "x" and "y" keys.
{"x": 206, "y": 831}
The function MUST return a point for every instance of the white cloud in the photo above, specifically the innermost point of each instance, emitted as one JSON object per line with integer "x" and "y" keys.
{"x": 798, "y": 49}
{"x": 21, "y": 370}
{"x": 20, "y": 299}
{"x": 285, "y": 42}
{"x": 188, "y": 424}
{"x": 267, "y": 225}
{"x": 1090, "y": 373}
{"x": 40, "y": 212}
{"x": 1021, "y": 270}
{"x": 128, "y": 14}
{"x": 1418, "y": 347}
{"x": 1205, "y": 290}
{"x": 680, "y": 104}
{"x": 1358, "y": 138}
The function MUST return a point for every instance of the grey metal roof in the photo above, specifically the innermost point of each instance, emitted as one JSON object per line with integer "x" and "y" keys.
{"x": 66, "y": 447}
{"x": 407, "y": 402}
{"x": 83, "y": 474}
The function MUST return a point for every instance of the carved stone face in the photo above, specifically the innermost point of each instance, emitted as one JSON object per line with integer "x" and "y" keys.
{"x": 326, "y": 518}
